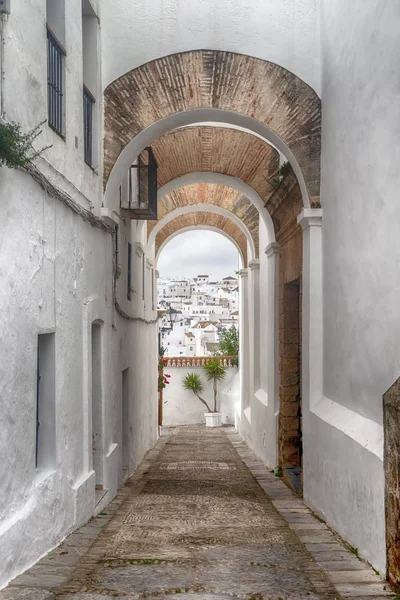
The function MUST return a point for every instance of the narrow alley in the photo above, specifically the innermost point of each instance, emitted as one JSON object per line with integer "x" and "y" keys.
{"x": 202, "y": 517}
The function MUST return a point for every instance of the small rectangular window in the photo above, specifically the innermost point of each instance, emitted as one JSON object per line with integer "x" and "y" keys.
{"x": 152, "y": 289}
{"x": 143, "y": 276}
{"x": 129, "y": 278}
{"x": 45, "y": 458}
{"x": 116, "y": 249}
{"x": 90, "y": 83}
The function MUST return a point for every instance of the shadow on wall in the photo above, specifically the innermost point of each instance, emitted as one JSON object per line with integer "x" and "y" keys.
{"x": 181, "y": 407}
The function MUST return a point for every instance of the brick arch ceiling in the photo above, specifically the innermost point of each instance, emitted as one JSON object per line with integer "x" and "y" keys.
{"x": 220, "y": 150}
{"x": 210, "y": 193}
{"x": 194, "y": 220}
{"x": 237, "y": 83}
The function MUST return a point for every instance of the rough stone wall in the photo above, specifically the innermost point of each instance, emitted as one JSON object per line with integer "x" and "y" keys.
{"x": 213, "y": 79}
{"x": 289, "y": 236}
{"x": 391, "y": 424}
{"x": 206, "y": 219}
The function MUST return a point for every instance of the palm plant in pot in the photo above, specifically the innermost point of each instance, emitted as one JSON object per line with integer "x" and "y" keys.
{"x": 214, "y": 372}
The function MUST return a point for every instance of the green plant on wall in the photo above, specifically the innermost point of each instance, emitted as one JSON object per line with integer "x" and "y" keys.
{"x": 229, "y": 344}
{"x": 280, "y": 175}
{"x": 16, "y": 148}
{"x": 193, "y": 383}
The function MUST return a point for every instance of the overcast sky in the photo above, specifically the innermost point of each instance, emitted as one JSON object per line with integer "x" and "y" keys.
{"x": 198, "y": 252}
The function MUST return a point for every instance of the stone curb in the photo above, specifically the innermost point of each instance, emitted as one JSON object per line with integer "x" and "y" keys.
{"x": 349, "y": 575}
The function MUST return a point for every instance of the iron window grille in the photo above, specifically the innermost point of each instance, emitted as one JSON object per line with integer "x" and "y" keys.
{"x": 142, "y": 187}
{"x": 88, "y": 105}
{"x": 55, "y": 83}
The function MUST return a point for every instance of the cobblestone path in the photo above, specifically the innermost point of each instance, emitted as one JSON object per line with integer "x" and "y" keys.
{"x": 195, "y": 523}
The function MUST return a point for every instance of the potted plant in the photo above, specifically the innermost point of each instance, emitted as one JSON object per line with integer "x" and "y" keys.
{"x": 215, "y": 372}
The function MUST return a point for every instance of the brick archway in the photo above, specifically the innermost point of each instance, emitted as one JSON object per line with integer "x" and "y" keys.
{"x": 224, "y": 197}
{"x": 203, "y": 221}
{"x": 262, "y": 92}
{"x": 224, "y": 150}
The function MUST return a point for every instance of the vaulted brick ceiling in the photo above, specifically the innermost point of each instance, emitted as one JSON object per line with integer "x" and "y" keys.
{"x": 204, "y": 219}
{"x": 211, "y": 194}
{"x": 198, "y": 79}
{"x": 217, "y": 149}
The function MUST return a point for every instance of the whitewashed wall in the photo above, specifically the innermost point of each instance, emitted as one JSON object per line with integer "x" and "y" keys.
{"x": 25, "y": 95}
{"x": 257, "y": 413}
{"x": 56, "y": 275}
{"x": 361, "y": 249}
{"x": 181, "y": 407}
{"x": 283, "y": 32}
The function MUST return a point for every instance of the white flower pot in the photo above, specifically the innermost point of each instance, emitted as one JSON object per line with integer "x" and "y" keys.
{"x": 213, "y": 419}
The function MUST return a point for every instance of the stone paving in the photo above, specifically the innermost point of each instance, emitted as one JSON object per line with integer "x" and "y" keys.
{"x": 201, "y": 519}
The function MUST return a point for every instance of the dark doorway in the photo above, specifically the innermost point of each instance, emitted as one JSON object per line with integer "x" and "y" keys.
{"x": 97, "y": 406}
{"x": 125, "y": 422}
{"x": 290, "y": 417}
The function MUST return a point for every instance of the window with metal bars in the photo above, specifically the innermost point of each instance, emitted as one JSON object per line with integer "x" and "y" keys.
{"x": 88, "y": 104}
{"x": 55, "y": 83}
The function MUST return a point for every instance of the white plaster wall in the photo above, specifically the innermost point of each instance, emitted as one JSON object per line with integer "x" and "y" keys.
{"x": 56, "y": 274}
{"x": 344, "y": 484}
{"x": 181, "y": 407}
{"x": 280, "y": 31}
{"x": 257, "y": 424}
{"x": 25, "y": 95}
{"x": 361, "y": 253}
{"x": 49, "y": 265}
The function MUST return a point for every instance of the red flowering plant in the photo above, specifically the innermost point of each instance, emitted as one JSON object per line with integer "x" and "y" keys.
{"x": 163, "y": 378}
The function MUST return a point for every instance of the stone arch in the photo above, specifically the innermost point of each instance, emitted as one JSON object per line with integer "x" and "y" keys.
{"x": 202, "y": 228}
{"x": 206, "y": 85}
{"x": 219, "y": 150}
{"x": 227, "y": 181}
{"x": 183, "y": 210}
{"x": 212, "y": 194}
{"x": 203, "y": 220}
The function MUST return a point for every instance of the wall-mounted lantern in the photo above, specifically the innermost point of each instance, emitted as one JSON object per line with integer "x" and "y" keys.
{"x": 141, "y": 197}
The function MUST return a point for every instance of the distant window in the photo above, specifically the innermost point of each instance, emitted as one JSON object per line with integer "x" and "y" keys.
{"x": 129, "y": 278}
{"x": 143, "y": 275}
{"x": 116, "y": 248}
{"x": 152, "y": 289}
